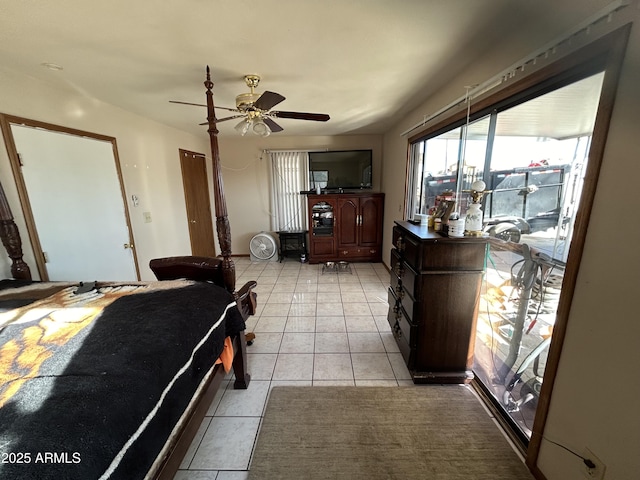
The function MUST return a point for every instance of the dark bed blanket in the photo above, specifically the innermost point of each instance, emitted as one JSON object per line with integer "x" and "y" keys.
{"x": 92, "y": 385}
{"x": 18, "y": 293}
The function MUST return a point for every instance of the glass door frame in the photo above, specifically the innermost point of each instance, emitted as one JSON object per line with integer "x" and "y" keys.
{"x": 603, "y": 54}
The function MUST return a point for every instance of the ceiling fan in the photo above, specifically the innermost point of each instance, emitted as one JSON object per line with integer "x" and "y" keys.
{"x": 255, "y": 110}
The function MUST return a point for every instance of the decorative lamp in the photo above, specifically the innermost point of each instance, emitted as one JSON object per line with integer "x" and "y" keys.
{"x": 473, "y": 222}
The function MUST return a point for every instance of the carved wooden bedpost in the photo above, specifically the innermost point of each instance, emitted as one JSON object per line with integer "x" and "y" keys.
{"x": 11, "y": 240}
{"x": 222, "y": 219}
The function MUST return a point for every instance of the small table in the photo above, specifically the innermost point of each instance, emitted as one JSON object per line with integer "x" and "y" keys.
{"x": 293, "y": 242}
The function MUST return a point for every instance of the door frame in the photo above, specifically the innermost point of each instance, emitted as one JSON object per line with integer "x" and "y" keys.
{"x": 5, "y": 125}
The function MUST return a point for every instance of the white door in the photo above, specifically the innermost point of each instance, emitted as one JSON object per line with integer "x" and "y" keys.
{"x": 77, "y": 204}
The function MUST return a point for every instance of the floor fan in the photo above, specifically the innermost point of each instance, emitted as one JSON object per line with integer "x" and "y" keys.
{"x": 263, "y": 247}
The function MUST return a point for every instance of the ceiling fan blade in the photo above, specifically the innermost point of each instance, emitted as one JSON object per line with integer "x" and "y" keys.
{"x": 187, "y": 103}
{"x": 268, "y": 100}
{"x": 202, "y": 105}
{"x": 228, "y": 109}
{"x": 218, "y": 120}
{"x": 273, "y": 126}
{"x": 318, "y": 117}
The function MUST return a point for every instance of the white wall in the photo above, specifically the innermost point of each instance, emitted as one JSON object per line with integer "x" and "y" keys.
{"x": 594, "y": 402}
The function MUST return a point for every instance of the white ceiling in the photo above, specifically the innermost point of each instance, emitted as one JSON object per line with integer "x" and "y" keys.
{"x": 364, "y": 62}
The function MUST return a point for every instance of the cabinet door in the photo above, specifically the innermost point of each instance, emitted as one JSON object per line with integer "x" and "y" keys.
{"x": 320, "y": 247}
{"x": 370, "y": 221}
{"x": 322, "y": 228}
{"x": 347, "y": 219}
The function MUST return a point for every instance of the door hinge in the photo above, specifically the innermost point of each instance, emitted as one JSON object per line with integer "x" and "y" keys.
{"x": 45, "y": 256}
{"x": 20, "y": 162}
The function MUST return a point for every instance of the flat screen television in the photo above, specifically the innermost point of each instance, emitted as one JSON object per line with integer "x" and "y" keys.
{"x": 340, "y": 169}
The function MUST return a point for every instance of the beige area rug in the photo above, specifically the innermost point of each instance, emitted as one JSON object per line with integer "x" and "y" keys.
{"x": 427, "y": 432}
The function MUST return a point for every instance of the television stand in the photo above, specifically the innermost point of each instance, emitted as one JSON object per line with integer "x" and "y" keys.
{"x": 345, "y": 227}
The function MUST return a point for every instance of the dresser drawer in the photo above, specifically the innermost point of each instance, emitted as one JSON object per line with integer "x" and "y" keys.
{"x": 410, "y": 306}
{"x": 402, "y": 274}
{"x": 403, "y": 300}
{"x": 408, "y": 247}
{"x": 397, "y": 322}
{"x": 398, "y": 316}
{"x": 358, "y": 252}
{"x": 408, "y": 353}
{"x": 396, "y": 272}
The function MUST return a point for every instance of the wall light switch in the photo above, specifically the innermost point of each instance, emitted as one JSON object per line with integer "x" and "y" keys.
{"x": 147, "y": 217}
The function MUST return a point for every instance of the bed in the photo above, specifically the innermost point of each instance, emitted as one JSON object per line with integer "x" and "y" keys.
{"x": 111, "y": 380}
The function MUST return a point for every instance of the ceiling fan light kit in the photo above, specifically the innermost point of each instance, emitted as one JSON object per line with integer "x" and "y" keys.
{"x": 255, "y": 110}
{"x": 261, "y": 128}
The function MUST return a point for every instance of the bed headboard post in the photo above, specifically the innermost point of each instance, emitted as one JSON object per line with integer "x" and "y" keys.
{"x": 222, "y": 219}
{"x": 11, "y": 240}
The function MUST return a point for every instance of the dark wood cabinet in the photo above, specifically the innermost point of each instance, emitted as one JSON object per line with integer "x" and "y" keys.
{"x": 345, "y": 227}
{"x": 433, "y": 301}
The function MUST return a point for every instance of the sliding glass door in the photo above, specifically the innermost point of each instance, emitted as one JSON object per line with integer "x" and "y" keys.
{"x": 532, "y": 155}
{"x": 535, "y": 174}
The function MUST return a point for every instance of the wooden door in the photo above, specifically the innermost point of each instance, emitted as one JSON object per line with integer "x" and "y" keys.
{"x": 73, "y": 198}
{"x": 196, "y": 195}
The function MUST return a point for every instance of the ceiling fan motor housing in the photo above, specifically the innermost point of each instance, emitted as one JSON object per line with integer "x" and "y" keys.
{"x": 245, "y": 101}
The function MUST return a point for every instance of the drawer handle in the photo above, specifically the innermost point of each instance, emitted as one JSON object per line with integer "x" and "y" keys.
{"x": 398, "y": 270}
{"x": 397, "y": 331}
{"x": 400, "y": 292}
{"x": 400, "y": 244}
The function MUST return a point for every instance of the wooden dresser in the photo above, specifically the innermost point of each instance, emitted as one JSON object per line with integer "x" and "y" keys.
{"x": 433, "y": 301}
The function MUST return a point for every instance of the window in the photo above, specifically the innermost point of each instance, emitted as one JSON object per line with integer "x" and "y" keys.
{"x": 532, "y": 157}
{"x": 437, "y": 162}
{"x": 289, "y": 176}
{"x": 532, "y": 154}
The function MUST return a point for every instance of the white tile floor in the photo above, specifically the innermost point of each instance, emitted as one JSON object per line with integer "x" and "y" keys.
{"x": 312, "y": 328}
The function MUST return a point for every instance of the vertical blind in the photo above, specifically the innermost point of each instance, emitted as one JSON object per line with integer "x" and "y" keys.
{"x": 289, "y": 176}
